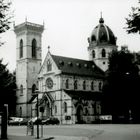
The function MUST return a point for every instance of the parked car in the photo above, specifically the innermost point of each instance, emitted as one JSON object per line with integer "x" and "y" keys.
{"x": 24, "y": 121}
{"x": 105, "y": 118}
{"x": 51, "y": 120}
{"x": 15, "y": 121}
{"x": 35, "y": 120}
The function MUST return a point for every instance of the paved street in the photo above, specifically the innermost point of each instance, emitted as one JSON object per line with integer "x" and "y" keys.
{"x": 84, "y": 132}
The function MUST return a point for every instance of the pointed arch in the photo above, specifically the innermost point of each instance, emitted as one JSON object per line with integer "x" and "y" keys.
{"x": 92, "y": 85}
{"x": 75, "y": 84}
{"x": 65, "y": 107}
{"x": 33, "y": 88}
{"x": 93, "y": 54}
{"x": 49, "y": 65}
{"x": 84, "y": 85}
{"x": 21, "y": 49}
{"x": 55, "y": 109}
{"x": 20, "y": 111}
{"x": 79, "y": 113}
{"x": 100, "y": 86}
{"x": 34, "y": 45}
{"x": 103, "y": 53}
{"x": 67, "y": 83}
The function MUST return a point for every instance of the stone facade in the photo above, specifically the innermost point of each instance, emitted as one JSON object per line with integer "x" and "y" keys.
{"x": 63, "y": 100}
{"x": 28, "y": 64}
{"x": 68, "y": 89}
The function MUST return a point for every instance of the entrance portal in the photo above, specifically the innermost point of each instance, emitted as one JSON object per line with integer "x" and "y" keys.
{"x": 47, "y": 110}
{"x": 80, "y": 114}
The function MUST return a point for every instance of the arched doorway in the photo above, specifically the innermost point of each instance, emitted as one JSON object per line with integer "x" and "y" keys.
{"x": 79, "y": 114}
{"x": 48, "y": 104}
{"x": 48, "y": 110}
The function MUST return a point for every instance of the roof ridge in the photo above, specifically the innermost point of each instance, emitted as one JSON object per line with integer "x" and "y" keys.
{"x": 65, "y": 57}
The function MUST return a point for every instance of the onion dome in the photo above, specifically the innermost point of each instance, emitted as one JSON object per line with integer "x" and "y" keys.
{"x": 102, "y": 35}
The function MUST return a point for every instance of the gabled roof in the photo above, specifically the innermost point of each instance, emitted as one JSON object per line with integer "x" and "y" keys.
{"x": 32, "y": 99}
{"x": 75, "y": 66}
{"x": 88, "y": 95}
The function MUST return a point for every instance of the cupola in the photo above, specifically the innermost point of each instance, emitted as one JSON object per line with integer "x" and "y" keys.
{"x": 102, "y": 35}
{"x": 102, "y": 42}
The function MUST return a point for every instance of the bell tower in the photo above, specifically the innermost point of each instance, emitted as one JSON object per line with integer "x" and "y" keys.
{"x": 28, "y": 63}
{"x": 101, "y": 43}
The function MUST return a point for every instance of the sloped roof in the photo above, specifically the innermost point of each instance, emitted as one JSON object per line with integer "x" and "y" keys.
{"x": 32, "y": 98}
{"x": 75, "y": 94}
{"x": 77, "y": 66}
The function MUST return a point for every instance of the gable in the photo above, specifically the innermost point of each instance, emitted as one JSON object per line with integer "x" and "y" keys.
{"x": 48, "y": 66}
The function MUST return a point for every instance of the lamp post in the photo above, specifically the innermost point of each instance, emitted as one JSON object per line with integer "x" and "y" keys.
{"x": 37, "y": 92}
{"x": 4, "y": 121}
{"x": 37, "y": 113}
{"x": 42, "y": 111}
{"x": 130, "y": 117}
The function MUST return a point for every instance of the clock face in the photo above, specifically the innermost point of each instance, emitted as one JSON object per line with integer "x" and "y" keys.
{"x": 49, "y": 83}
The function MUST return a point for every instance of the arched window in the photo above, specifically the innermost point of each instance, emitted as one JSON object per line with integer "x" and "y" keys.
{"x": 92, "y": 85}
{"x": 55, "y": 107}
{"x": 20, "y": 111}
{"x": 84, "y": 85}
{"x": 21, "y": 49}
{"x": 100, "y": 86}
{"x": 93, "y": 54}
{"x": 86, "y": 111}
{"x": 21, "y": 90}
{"x": 49, "y": 65}
{"x": 75, "y": 84}
{"x": 93, "y": 38}
{"x": 65, "y": 107}
{"x": 103, "y": 53}
{"x": 98, "y": 108}
{"x": 33, "y": 88}
{"x": 67, "y": 83}
{"x": 37, "y": 84}
{"x": 34, "y": 45}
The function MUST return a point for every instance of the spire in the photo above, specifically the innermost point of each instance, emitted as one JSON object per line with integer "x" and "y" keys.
{"x": 101, "y": 14}
{"x": 101, "y": 19}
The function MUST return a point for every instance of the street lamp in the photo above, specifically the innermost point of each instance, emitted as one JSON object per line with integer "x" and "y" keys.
{"x": 130, "y": 116}
{"x": 37, "y": 113}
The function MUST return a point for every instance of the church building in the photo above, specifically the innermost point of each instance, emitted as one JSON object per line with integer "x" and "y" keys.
{"x": 68, "y": 89}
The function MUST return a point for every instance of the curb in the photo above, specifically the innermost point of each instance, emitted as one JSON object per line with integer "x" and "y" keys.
{"x": 45, "y": 137}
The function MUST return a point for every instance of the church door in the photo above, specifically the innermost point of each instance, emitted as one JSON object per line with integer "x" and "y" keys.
{"x": 79, "y": 114}
{"x": 47, "y": 110}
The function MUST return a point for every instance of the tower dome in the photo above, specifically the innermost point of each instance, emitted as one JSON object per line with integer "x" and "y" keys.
{"x": 102, "y": 35}
{"x": 101, "y": 43}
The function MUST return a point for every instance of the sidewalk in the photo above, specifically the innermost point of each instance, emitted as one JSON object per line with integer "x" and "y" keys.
{"x": 15, "y": 137}
{"x": 23, "y": 135}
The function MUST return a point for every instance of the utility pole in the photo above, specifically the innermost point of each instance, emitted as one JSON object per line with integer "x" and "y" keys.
{"x": 37, "y": 119}
{"x": 37, "y": 92}
{"x": 4, "y": 121}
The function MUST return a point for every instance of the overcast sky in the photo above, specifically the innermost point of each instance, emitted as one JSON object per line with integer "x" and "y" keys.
{"x": 68, "y": 24}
